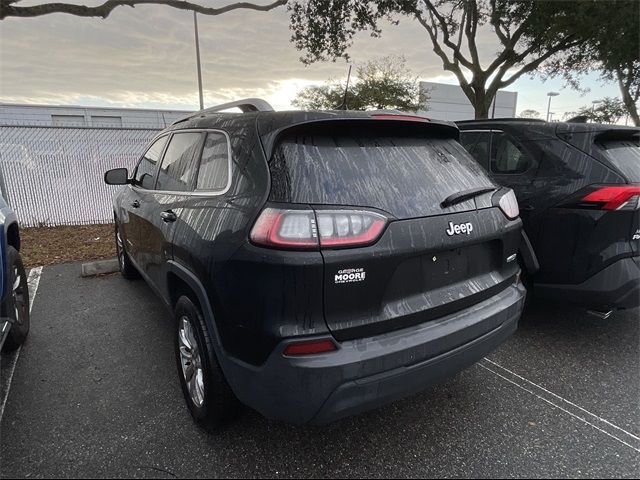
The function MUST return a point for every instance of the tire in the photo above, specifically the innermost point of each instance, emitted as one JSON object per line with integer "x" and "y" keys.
{"x": 127, "y": 269}
{"x": 209, "y": 397}
{"x": 16, "y": 304}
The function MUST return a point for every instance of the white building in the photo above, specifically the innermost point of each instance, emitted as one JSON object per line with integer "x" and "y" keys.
{"x": 448, "y": 102}
{"x": 102, "y": 117}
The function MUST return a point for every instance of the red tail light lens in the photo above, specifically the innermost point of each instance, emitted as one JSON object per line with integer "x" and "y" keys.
{"x": 623, "y": 197}
{"x": 285, "y": 229}
{"x": 309, "y": 348}
{"x": 306, "y": 229}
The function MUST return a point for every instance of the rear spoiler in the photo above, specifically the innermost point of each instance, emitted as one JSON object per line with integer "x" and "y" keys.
{"x": 417, "y": 124}
{"x": 618, "y": 134}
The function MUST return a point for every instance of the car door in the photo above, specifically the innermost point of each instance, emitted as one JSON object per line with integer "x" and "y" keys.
{"x": 131, "y": 219}
{"x": 173, "y": 188}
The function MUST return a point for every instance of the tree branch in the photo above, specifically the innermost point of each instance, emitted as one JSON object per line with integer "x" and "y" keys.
{"x": 495, "y": 22}
{"x": 531, "y": 66}
{"x": 103, "y": 10}
{"x": 470, "y": 29}
{"x": 446, "y": 62}
{"x": 446, "y": 39}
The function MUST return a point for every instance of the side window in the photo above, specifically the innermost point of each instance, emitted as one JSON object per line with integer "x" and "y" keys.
{"x": 506, "y": 156}
{"x": 478, "y": 144}
{"x": 179, "y": 165}
{"x": 145, "y": 172}
{"x": 214, "y": 166}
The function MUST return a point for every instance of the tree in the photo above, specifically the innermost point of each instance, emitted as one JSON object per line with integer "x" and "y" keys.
{"x": 9, "y": 8}
{"x": 385, "y": 83}
{"x": 611, "y": 47}
{"x": 529, "y": 114}
{"x": 607, "y": 110}
{"x": 528, "y": 34}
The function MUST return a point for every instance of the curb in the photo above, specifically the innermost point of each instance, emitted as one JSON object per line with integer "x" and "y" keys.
{"x": 99, "y": 267}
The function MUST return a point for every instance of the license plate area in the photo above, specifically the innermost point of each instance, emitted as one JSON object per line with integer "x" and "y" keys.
{"x": 452, "y": 266}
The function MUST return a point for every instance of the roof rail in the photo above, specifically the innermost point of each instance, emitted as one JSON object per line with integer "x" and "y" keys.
{"x": 246, "y": 105}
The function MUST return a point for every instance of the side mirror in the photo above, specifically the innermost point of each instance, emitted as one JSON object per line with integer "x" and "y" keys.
{"x": 117, "y": 176}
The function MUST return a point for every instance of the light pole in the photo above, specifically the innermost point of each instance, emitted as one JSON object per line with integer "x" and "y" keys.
{"x": 550, "y": 94}
{"x": 195, "y": 26}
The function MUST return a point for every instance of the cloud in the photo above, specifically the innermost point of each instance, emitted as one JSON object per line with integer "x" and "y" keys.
{"x": 145, "y": 57}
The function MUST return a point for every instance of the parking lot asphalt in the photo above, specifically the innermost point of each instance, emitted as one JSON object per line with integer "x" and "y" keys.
{"x": 95, "y": 393}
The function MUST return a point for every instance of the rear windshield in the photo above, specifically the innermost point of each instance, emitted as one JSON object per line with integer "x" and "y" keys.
{"x": 625, "y": 156}
{"x": 407, "y": 176}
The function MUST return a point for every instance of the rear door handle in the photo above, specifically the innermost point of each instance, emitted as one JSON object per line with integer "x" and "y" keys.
{"x": 169, "y": 216}
{"x": 527, "y": 208}
{"x": 135, "y": 204}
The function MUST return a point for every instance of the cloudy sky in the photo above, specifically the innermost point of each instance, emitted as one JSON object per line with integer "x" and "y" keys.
{"x": 145, "y": 57}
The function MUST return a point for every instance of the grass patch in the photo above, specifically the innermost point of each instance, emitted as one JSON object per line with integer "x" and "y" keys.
{"x": 73, "y": 243}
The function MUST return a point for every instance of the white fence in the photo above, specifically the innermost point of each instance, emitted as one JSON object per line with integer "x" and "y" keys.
{"x": 54, "y": 175}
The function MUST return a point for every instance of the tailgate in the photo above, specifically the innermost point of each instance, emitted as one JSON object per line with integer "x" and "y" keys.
{"x": 416, "y": 272}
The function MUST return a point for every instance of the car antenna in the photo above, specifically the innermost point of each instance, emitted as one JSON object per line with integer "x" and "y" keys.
{"x": 346, "y": 90}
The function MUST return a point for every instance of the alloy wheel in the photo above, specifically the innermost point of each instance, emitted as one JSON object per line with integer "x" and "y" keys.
{"x": 120, "y": 250}
{"x": 191, "y": 361}
{"x": 19, "y": 298}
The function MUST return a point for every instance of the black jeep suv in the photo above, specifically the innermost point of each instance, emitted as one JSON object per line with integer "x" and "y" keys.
{"x": 578, "y": 186}
{"x": 318, "y": 263}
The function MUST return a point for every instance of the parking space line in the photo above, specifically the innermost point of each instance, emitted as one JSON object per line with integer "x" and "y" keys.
{"x": 33, "y": 280}
{"x": 564, "y": 400}
{"x": 594, "y": 418}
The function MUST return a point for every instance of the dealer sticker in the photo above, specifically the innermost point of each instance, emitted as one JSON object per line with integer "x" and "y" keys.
{"x": 350, "y": 275}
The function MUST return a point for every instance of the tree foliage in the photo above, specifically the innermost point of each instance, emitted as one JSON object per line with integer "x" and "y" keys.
{"x": 607, "y": 110}
{"x": 529, "y": 114}
{"x": 528, "y": 34}
{"x": 13, "y": 8}
{"x": 385, "y": 83}
{"x": 611, "y": 46}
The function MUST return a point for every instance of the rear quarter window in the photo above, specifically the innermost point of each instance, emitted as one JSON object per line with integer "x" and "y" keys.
{"x": 407, "y": 176}
{"x": 624, "y": 155}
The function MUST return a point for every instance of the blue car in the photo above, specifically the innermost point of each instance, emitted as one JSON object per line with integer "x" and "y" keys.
{"x": 14, "y": 291}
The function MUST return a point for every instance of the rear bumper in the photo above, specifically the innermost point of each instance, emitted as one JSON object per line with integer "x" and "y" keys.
{"x": 367, "y": 373}
{"x": 616, "y": 286}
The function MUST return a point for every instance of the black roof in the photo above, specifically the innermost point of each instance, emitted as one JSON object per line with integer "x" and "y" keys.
{"x": 535, "y": 127}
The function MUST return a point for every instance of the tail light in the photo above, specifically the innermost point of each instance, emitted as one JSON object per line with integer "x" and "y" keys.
{"x": 306, "y": 229}
{"x": 310, "y": 347}
{"x": 507, "y": 202}
{"x": 623, "y": 197}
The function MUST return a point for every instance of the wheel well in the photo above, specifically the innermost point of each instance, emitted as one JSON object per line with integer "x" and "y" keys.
{"x": 178, "y": 287}
{"x": 13, "y": 236}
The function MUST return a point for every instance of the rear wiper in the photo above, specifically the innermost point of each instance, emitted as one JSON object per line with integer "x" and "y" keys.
{"x": 465, "y": 195}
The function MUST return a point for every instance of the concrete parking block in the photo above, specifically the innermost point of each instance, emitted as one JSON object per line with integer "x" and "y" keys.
{"x": 100, "y": 267}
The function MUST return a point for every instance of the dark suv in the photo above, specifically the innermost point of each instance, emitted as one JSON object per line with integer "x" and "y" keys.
{"x": 319, "y": 263}
{"x": 578, "y": 186}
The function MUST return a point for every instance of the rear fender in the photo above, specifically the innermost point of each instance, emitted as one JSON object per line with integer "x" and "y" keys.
{"x": 527, "y": 255}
